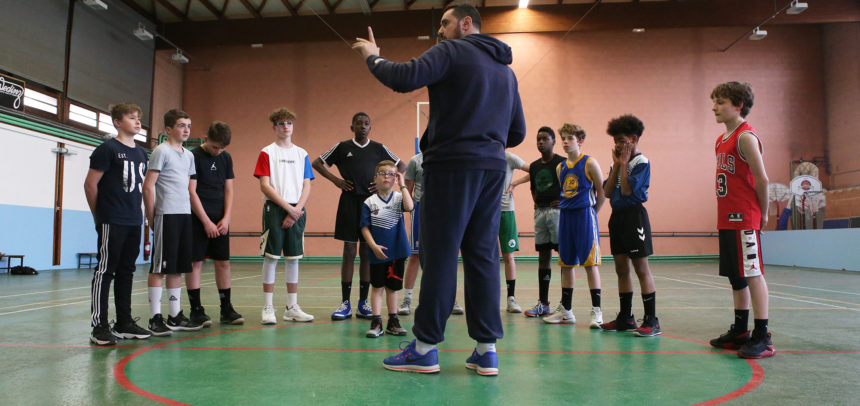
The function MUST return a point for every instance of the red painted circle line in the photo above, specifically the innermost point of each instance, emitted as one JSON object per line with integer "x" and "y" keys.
{"x": 122, "y": 378}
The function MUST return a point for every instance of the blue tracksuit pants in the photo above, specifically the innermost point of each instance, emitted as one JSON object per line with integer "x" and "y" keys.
{"x": 460, "y": 214}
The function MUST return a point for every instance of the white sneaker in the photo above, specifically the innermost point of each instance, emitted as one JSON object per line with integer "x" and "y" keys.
{"x": 558, "y": 309}
{"x": 513, "y": 307}
{"x": 561, "y": 317}
{"x": 457, "y": 309}
{"x": 596, "y": 317}
{"x": 295, "y": 313}
{"x": 268, "y": 316}
{"x": 405, "y": 307}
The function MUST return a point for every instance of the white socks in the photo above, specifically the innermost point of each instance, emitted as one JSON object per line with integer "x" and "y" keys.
{"x": 155, "y": 300}
{"x": 407, "y": 293}
{"x": 173, "y": 307}
{"x": 292, "y": 298}
{"x": 423, "y": 348}
{"x": 267, "y": 296}
{"x": 483, "y": 348}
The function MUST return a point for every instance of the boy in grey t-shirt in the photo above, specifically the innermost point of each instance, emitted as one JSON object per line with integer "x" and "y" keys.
{"x": 168, "y": 211}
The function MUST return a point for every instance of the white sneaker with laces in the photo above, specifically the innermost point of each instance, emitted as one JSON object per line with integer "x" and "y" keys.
{"x": 561, "y": 317}
{"x": 457, "y": 309}
{"x": 558, "y": 309}
{"x": 295, "y": 313}
{"x": 596, "y": 317}
{"x": 405, "y": 307}
{"x": 513, "y": 306}
{"x": 268, "y": 315}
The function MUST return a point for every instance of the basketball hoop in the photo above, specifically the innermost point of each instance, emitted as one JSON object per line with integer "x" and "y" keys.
{"x": 808, "y": 191}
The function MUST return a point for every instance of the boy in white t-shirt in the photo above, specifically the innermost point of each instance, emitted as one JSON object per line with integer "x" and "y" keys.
{"x": 285, "y": 177}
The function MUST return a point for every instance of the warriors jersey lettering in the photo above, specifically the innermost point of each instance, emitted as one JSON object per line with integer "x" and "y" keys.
{"x": 737, "y": 203}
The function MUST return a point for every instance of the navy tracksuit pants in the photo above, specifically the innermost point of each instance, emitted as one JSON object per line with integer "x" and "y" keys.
{"x": 460, "y": 214}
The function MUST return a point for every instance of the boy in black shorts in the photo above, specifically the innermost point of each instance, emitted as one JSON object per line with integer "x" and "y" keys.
{"x": 212, "y": 203}
{"x": 112, "y": 188}
{"x": 168, "y": 210}
{"x": 383, "y": 228}
{"x": 629, "y": 227}
{"x": 355, "y": 159}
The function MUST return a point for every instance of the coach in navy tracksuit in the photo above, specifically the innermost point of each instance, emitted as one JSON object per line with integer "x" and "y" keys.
{"x": 475, "y": 113}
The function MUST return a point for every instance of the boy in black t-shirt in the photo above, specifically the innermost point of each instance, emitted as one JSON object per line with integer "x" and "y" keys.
{"x": 546, "y": 192}
{"x": 113, "y": 190}
{"x": 212, "y": 202}
{"x": 355, "y": 159}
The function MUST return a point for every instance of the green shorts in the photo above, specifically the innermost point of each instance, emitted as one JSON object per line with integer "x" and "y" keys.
{"x": 276, "y": 240}
{"x": 508, "y": 233}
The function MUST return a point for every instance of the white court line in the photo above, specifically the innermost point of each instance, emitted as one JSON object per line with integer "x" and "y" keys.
{"x": 691, "y": 283}
{"x": 796, "y": 286}
{"x": 88, "y": 301}
{"x": 809, "y": 301}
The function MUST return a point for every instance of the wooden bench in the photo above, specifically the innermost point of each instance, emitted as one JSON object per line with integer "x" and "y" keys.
{"x": 91, "y": 258}
{"x": 8, "y": 258}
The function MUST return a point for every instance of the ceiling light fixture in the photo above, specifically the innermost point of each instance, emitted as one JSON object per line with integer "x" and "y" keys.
{"x": 179, "y": 58}
{"x": 142, "y": 33}
{"x": 797, "y": 7}
{"x": 638, "y": 30}
{"x": 524, "y": 3}
{"x": 758, "y": 34}
{"x": 97, "y": 5}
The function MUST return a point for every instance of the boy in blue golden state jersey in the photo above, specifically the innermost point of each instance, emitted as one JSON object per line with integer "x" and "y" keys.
{"x": 578, "y": 236}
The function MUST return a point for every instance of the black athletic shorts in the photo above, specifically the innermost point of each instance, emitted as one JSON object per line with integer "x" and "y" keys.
{"x": 388, "y": 274}
{"x": 203, "y": 247}
{"x": 630, "y": 232}
{"x": 740, "y": 253}
{"x": 171, "y": 247}
{"x": 348, "y": 218}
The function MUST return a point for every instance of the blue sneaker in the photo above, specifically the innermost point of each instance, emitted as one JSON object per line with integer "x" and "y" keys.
{"x": 539, "y": 310}
{"x": 364, "y": 311}
{"x": 410, "y": 361}
{"x": 487, "y": 364}
{"x": 343, "y": 312}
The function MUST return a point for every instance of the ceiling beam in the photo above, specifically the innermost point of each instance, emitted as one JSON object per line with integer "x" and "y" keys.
{"x": 499, "y": 20}
{"x": 262, "y": 4}
{"x": 251, "y": 9}
{"x": 140, "y": 10}
{"x": 187, "y": 7}
{"x": 293, "y": 10}
{"x": 224, "y": 7}
{"x": 212, "y": 9}
{"x": 170, "y": 7}
{"x": 407, "y": 4}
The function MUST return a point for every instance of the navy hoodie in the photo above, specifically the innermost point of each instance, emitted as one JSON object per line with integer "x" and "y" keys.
{"x": 475, "y": 108}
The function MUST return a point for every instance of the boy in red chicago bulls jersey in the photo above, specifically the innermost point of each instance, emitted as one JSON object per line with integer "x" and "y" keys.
{"x": 741, "y": 185}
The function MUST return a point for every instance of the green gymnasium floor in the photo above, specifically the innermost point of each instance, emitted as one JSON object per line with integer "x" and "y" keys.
{"x": 47, "y": 359}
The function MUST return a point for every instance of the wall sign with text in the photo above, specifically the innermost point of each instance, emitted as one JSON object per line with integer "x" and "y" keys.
{"x": 12, "y": 92}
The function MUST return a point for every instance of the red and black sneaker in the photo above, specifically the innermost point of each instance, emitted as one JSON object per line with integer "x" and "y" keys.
{"x": 619, "y": 324}
{"x": 731, "y": 340}
{"x": 757, "y": 347}
{"x": 650, "y": 327}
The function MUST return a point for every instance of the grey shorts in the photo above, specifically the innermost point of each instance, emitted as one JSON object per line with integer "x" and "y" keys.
{"x": 546, "y": 228}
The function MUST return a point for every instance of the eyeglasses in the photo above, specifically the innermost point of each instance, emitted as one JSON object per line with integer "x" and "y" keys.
{"x": 387, "y": 174}
{"x": 283, "y": 123}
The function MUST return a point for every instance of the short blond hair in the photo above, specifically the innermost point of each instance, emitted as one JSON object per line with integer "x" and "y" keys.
{"x": 572, "y": 129}
{"x": 383, "y": 164}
